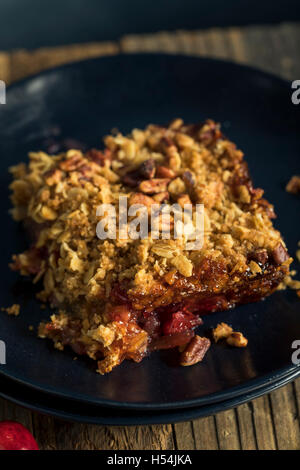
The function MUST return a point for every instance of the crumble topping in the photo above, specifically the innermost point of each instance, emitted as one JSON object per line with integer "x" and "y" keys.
{"x": 13, "y": 310}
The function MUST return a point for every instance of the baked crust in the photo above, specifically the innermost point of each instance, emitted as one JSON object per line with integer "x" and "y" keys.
{"x": 120, "y": 298}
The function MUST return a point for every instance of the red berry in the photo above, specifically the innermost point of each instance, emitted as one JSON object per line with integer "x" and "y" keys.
{"x": 179, "y": 322}
{"x": 14, "y": 436}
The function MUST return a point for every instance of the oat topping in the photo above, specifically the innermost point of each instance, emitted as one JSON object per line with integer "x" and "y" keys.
{"x": 119, "y": 298}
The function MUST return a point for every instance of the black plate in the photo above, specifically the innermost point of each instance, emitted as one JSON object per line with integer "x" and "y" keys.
{"x": 84, "y": 101}
{"x": 93, "y": 414}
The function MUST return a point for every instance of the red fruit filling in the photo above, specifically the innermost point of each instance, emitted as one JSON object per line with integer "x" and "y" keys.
{"x": 169, "y": 326}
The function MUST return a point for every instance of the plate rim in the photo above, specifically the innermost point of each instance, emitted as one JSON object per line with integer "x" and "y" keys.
{"x": 228, "y": 62}
{"x": 218, "y": 397}
{"x": 161, "y": 417}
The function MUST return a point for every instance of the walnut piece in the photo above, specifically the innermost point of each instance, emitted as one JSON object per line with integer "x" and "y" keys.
{"x": 165, "y": 172}
{"x": 147, "y": 169}
{"x": 154, "y": 186}
{"x": 13, "y": 310}
{"x": 221, "y": 331}
{"x": 237, "y": 340}
{"x": 53, "y": 176}
{"x": 139, "y": 198}
{"x": 280, "y": 254}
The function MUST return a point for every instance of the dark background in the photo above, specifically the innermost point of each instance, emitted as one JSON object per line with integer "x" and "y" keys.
{"x": 37, "y": 23}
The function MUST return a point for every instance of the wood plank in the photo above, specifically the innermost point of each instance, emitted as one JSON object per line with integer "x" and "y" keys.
{"x": 227, "y": 430}
{"x": 246, "y": 427}
{"x": 264, "y": 429}
{"x": 205, "y": 433}
{"x": 90, "y": 437}
{"x": 296, "y": 389}
{"x": 24, "y": 63}
{"x": 44, "y": 431}
{"x": 286, "y": 42}
{"x": 184, "y": 436}
{"x": 285, "y": 418}
{"x": 53, "y": 433}
{"x": 217, "y": 43}
{"x": 236, "y": 39}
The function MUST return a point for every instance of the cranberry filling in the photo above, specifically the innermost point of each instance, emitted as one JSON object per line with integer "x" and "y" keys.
{"x": 168, "y": 326}
{"x": 172, "y": 341}
{"x": 208, "y": 305}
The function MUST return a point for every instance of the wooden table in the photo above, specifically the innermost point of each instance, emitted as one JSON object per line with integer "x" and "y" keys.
{"x": 270, "y": 422}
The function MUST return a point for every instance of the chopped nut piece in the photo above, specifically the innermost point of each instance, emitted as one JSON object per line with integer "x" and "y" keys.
{"x": 53, "y": 176}
{"x": 73, "y": 161}
{"x": 188, "y": 179}
{"x": 221, "y": 331}
{"x": 184, "y": 141}
{"x": 147, "y": 169}
{"x": 165, "y": 172}
{"x": 293, "y": 185}
{"x": 132, "y": 179}
{"x": 194, "y": 351}
{"x": 154, "y": 186}
{"x": 280, "y": 254}
{"x": 260, "y": 256}
{"x": 176, "y": 187}
{"x": 140, "y": 198}
{"x": 237, "y": 340}
{"x": 13, "y": 310}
